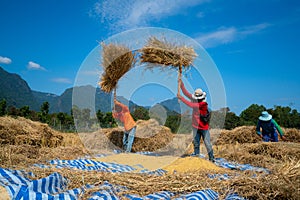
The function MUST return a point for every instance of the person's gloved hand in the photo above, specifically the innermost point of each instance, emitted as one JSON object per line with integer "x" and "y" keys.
{"x": 283, "y": 138}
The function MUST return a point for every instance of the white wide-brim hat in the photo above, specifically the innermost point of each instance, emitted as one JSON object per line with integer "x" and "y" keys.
{"x": 265, "y": 116}
{"x": 199, "y": 94}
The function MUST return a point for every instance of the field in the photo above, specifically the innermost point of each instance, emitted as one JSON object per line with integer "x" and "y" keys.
{"x": 25, "y": 143}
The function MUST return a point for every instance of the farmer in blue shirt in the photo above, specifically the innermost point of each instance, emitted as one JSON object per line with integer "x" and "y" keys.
{"x": 269, "y": 128}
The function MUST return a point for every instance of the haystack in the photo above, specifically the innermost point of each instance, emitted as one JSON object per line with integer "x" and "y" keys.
{"x": 292, "y": 134}
{"x": 23, "y": 131}
{"x": 247, "y": 134}
{"x": 116, "y": 61}
{"x": 243, "y": 134}
{"x": 162, "y": 137}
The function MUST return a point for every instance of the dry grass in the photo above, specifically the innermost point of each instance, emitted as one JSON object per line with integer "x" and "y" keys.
{"x": 116, "y": 61}
{"x": 282, "y": 184}
{"x": 167, "y": 54}
{"x": 161, "y": 136}
{"x": 281, "y": 158}
{"x": 247, "y": 134}
{"x": 243, "y": 134}
{"x": 22, "y": 131}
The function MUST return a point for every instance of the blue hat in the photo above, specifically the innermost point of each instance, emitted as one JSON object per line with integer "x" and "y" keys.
{"x": 265, "y": 116}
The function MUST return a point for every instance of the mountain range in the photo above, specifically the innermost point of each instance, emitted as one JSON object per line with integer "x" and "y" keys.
{"x": 17, "y": 93}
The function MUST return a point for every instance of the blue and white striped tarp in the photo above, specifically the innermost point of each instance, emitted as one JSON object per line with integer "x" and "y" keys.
{"x": 53, "y": 187}
{"x": 157, "y": 195}
{"x": 221, "y": 162}
{"x": 207, "y": 194}
{"x": 90, "y": 165}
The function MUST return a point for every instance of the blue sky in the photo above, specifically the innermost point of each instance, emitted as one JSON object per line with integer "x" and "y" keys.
{"x": 254, "y": 43}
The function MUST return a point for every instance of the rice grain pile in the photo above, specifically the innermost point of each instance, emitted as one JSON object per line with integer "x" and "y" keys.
{"x": 190, "y": 164}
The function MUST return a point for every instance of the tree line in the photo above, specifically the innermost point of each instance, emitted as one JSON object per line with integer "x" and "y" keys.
{"x": 82, "y": 120}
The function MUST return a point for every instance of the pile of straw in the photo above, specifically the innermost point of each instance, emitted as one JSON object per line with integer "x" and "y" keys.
{"x": 292, "y": 134}
{"x": 162, "y": 137}
{"x": 116, "y": 61}
{"x": 167, "y": 54}
{"x": 260, "y": 154}
{"x": 243, "y": 134}
{"x": 279, "y": 151}
{"x": 247, "y": 134}
{"x": 23, "y": 131}
{"x": 282, "y": 184}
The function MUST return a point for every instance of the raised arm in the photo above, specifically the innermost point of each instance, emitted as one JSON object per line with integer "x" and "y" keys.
{"x": 184, "y": 90}
{"x": 124, "y": 107}
{"x": 188, "y": 103}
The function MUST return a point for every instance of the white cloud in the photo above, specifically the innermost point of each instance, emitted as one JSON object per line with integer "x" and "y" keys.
{"x": 200, "y": 14}
{"x": 34, "y": 66}
{"x": 222, "y": 36}
{"x": 228, "y": 35}
{"x": 134, "y": 13}
{"x": 5, "y": 60}
{"x": 62, "y": 80}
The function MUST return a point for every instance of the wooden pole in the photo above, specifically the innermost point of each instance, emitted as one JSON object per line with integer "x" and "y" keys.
{"x": 179, "y": 78}
{"x": 179, "y": 81}
{"x": 115, "y": 97}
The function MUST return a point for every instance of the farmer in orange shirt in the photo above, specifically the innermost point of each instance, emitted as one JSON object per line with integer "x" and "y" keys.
{"x": 122, "y": 113}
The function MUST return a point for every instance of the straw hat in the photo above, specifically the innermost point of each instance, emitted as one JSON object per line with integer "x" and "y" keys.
{"x": 265, "y": 116}
{"x": 199, "y": 94}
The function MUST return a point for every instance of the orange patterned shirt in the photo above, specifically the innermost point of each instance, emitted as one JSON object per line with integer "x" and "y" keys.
{"x": 124, "y": 116}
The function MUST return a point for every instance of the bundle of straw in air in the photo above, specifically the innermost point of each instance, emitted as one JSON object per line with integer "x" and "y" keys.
{"x": 116, "y": 61}
{"x": 167, "y": 54}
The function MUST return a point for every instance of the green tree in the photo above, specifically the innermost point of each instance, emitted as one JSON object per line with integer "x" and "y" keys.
{"x": 100, "y": 116}
{"x": 85, "y": 114}
{"x": 231, "y": 121}
{"x": 85, "y": 117}
{"x": 76, "y": 114}
{"x": 282, "y": 115}
{"x": 13, "y": 111}
{"x": 69, "y": 123}
{"x": 173, "y": 122}
{"x": 45, "y": 108}
{"x": 140, "y": 113}
{"x": 294, "y": 119}
{"x": 61, "y": 117}
{"x": 251, "y": 114}
{"x": 25, "y": 112}
{"x": 217, "y": 118}
{"x": 3, "y": 107}
{"x": 109, "y": 121}
{"x": 44, "y": 112}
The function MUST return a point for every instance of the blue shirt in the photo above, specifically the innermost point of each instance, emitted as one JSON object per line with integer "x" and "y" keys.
{"x": 268, "y": 127}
